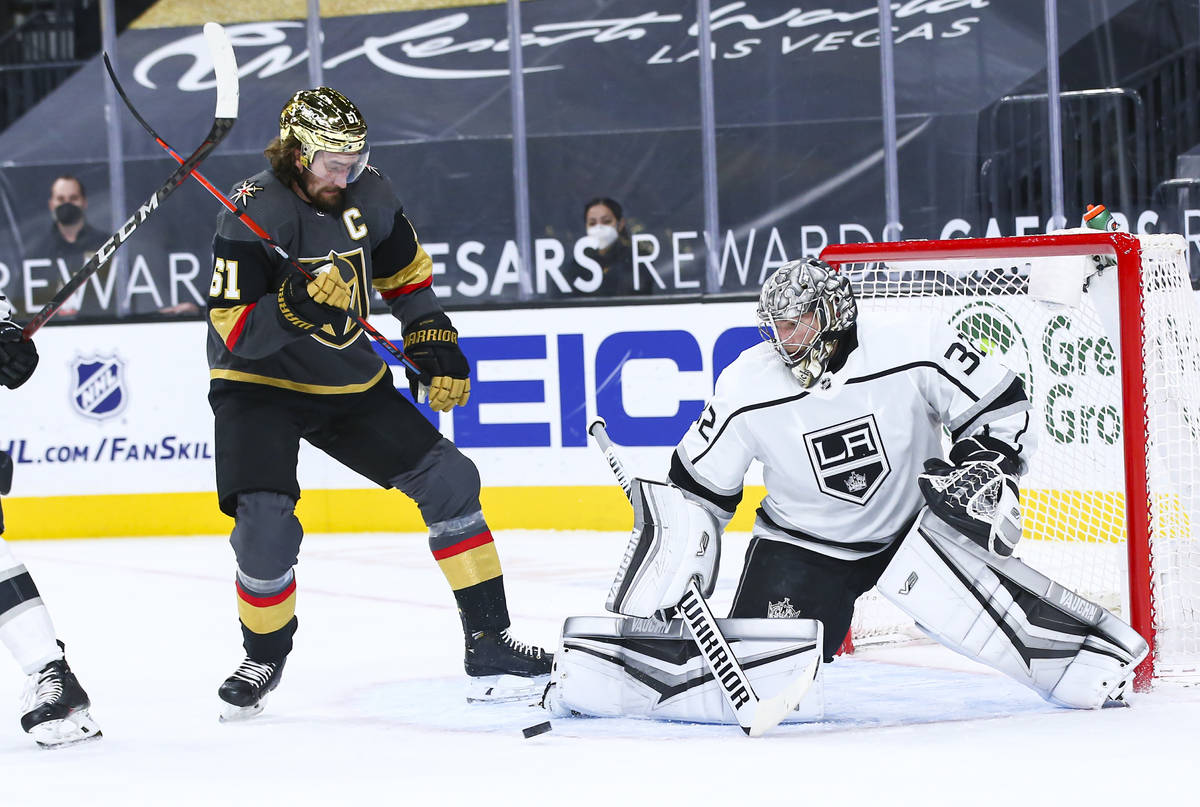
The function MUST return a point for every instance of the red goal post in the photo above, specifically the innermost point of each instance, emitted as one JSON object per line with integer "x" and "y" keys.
{"x": 1088, "y": 495}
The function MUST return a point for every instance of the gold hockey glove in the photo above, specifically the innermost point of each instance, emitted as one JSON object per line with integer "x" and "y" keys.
{"x": 432, "y": 342}
{"x": 307, "y": 304}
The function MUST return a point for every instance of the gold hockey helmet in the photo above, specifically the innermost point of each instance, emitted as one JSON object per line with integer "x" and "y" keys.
{"x": 323, "y": 120}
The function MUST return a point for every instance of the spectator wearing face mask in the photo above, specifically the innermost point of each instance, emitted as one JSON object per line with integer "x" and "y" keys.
{"x": 611, "y": 251}
{"x": 70, "y": 236}
{"x": 70, "y": 240}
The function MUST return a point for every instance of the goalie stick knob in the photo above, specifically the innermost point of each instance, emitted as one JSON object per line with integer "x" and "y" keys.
{"x": 533, "y": 731}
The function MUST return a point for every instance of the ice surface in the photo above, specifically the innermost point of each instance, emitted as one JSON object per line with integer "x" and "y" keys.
{"x": 371, "y": 707}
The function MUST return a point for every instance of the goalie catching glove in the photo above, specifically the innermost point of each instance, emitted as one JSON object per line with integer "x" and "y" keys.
{"x": 674, "y": 539}
{"x": 307, "y": 304}
{"x": 976, "y": 492}
{"x": 432, "y": 342}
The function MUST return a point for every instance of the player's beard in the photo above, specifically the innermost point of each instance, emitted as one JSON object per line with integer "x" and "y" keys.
{"x": 324, "y": 196}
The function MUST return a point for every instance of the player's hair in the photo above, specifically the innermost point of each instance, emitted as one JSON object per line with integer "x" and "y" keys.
{"x": 282, "y": 156}
{"x": 72, "y": 178}
{"x": 611, "y": 204}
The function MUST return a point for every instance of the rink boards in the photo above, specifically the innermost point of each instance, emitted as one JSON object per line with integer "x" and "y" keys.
{"x": 113, "y": 434}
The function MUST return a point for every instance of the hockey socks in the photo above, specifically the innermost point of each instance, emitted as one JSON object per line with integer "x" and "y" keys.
{"x": 467, "y": 556}
{"x": 25, "y": 626}
{"x": 267, "y": 610}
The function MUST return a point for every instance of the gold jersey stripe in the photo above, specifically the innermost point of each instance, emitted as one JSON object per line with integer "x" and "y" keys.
{"x": 226, "y": 319}
{"x": 418, "y": 271}
{"x": 471, "y": 567}
{"x": 283, "y": 383}
{"x": 268, "y": 619}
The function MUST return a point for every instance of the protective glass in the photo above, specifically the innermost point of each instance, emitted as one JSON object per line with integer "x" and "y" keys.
{"x": 339, "y": 169}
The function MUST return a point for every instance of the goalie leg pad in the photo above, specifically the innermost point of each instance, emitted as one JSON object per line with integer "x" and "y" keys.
{"x": 613, "y": 667}
{"x": 1001, "y": 612}
{"x": 674, "y": 539}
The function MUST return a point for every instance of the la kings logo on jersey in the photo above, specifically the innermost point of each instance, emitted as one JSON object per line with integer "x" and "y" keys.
{"x": 848, "y": 459}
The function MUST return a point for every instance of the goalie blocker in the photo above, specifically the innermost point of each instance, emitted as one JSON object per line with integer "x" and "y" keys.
{"x": 999, "y": 611}
{"x": 623, "y": 667}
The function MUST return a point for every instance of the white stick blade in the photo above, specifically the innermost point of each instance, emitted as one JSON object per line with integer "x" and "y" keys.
{"x": 771, "y": 712}
{"x": 225, "y": 68}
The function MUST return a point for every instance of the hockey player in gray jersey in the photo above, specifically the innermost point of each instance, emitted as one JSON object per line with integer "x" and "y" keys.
{"x": 56, "y": 709}
{"x": 847, "y": 420}
{"x": 288, "y": 363}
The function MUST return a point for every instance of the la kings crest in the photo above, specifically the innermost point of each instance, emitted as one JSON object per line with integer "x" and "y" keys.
{"x": 848, "y": 459}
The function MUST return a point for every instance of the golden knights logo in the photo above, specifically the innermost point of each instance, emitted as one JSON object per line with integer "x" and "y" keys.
{"x": 848, "y": 459}
{"x": 245, "y": 192}
{"x": 352, "y": 266}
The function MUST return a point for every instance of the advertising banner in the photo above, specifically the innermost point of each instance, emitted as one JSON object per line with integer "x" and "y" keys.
{"x": 612, "y": 110}
{"x": 113, "y": 434}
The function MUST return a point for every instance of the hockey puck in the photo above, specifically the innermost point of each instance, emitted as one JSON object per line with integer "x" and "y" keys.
{"x": 533, "y": 731}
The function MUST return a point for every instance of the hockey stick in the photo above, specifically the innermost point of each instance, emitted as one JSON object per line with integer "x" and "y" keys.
{"x": 754, "y": 715}
{"x": 259, "y": 231}
{"x": 225, "y": 68}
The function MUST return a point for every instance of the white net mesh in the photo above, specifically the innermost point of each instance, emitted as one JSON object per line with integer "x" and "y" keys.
{"x": 1073, "y": 498}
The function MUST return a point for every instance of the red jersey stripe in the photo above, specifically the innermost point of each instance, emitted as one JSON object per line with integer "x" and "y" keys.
{"x": 392, "y": 294}
{"x": 237, "y": 328}
{"x": 266, "y": 602}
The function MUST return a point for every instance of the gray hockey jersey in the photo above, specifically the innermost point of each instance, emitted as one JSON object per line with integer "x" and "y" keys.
{"x": 370, "y": 242}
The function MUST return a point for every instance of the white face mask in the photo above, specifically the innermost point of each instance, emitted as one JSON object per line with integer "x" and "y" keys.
{"x": 603, "y": 235}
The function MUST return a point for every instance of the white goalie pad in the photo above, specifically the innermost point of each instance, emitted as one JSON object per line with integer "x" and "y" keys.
{"x": 674, "y": 539}
{"x": 646, "y": 668}
{"x": 1000, "y": 612}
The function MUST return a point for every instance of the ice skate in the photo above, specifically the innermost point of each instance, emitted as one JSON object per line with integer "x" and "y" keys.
{"x": 57, "y": 708}
{"x": 503, "y": 669}
{"x": 245, "y": 692}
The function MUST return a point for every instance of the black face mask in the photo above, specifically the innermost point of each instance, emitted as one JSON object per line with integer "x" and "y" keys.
{"x": 68, "y": 214}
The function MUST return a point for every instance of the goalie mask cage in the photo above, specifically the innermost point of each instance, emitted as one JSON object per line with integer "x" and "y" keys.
{"x": 1111, "y": 362}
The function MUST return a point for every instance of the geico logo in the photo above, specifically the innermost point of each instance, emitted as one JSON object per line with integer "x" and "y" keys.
{"x": 643, "y": 407}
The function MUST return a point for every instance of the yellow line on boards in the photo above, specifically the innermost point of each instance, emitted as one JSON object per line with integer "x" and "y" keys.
{"x": 371, "y": 510}
{"x": 1091, "y": 516}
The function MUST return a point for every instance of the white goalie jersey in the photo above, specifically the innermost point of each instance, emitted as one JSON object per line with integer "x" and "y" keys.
{"x": 841, "y": 459}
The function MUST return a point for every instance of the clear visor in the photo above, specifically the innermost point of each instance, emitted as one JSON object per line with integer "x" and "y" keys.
{"x": 339, "y": 168}
{"x": 793, "y": 338}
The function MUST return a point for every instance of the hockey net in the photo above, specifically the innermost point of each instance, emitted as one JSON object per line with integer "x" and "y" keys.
{"x": 1111, "y": 360}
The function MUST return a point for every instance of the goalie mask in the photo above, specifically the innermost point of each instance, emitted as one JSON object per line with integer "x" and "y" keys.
{"x": 805, "y": 310}
{"x": 324, "y": 120}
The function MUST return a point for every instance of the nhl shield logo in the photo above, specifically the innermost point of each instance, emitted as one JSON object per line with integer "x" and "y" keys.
{"x": 848, "y": 459}
{"x": 98, "y": 386}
